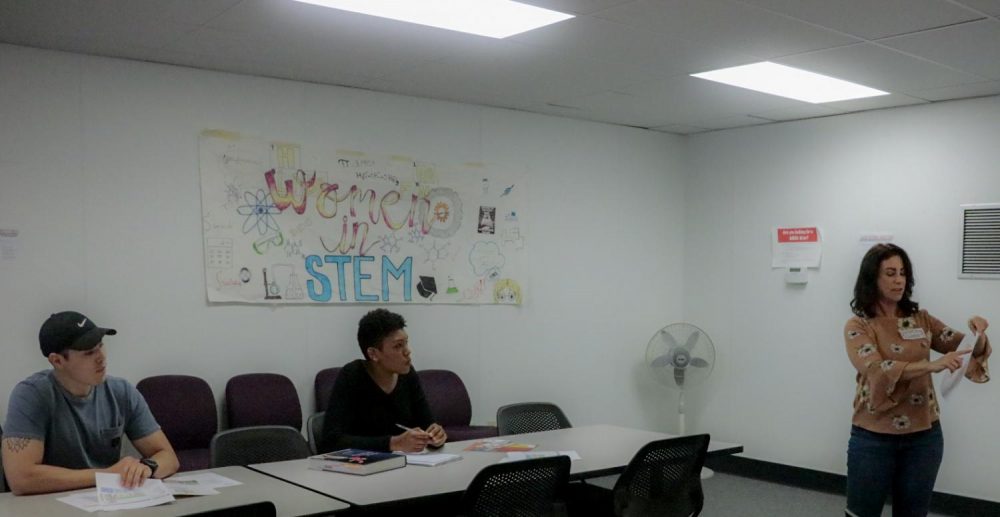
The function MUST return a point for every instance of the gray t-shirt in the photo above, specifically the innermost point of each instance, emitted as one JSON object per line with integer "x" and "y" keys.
{"x": 79, "y": 433}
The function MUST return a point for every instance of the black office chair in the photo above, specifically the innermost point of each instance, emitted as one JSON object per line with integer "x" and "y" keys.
{"x": 530, "y": 487}
{"x": 314, "y": 430}
{"x": 257, "y": 444}
{"x": 663, "y": 479}
{"x": 261, "y": 509}
{"x": 529, "y": 417}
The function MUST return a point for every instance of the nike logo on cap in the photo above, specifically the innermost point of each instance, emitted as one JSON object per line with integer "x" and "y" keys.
{"x": 82, "y": 323}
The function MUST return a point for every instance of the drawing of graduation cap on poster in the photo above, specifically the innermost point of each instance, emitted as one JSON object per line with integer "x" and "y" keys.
{"x": 427, "y": 287}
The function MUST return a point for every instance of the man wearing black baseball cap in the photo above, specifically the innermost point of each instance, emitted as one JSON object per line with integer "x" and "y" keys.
{"x": 67, "y": 423}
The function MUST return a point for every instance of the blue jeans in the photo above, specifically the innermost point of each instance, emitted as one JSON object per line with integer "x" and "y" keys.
{"x": 904, "y": 465}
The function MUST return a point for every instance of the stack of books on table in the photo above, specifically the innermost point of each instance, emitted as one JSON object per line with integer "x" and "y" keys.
{"x": 357, "y": 461}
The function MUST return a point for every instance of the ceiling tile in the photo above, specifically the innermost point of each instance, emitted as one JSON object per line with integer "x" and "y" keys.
{"x": 454, "y": 94}
{"x": 332, "y": 52}
{"x": 509, "y": 68}
{"x": 804, "y": 110}
{"x": 885, "y": 101}
{"x": 92, "y": 27}
{"x": 594, "y": 38}
{"x": 726, "y": 24}
{"x": 962, "y": 91}
{"x": 990, "y": 7}
{"x": 950, "y": 46}
{"x": 877, "y": 67}
{"x": 872, "y": 19}
{"x": 680, "y": 100}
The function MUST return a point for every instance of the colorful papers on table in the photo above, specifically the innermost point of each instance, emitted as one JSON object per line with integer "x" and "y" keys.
{"x": 518, "y": 456}
{"x": 498, "y": 445}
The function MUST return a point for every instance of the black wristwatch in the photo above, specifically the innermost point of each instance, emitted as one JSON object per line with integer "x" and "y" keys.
{"x": 151, "y": 463}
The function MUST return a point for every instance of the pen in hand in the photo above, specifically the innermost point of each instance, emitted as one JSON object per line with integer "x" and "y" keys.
{"x": 416, "y": 433}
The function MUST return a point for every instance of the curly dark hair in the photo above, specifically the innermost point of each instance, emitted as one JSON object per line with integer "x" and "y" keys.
{"x": 866, "y": 287}
{"x": 375, "y": 326}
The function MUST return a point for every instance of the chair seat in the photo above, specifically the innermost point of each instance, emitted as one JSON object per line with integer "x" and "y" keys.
{"x": 470, "y": 432}
{"x": 194, "y": 459}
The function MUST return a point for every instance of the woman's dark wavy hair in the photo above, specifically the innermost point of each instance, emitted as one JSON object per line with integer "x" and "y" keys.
{"x": 866, "y": 287}
{"x": 375, "y": 326}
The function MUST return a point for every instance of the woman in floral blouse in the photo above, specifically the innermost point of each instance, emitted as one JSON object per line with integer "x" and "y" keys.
{"x": 896, "y": 443}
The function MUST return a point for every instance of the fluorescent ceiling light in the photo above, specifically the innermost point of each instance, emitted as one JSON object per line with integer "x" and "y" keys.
{"x": 492, "y": 18}
{"x": 793, "y": 83}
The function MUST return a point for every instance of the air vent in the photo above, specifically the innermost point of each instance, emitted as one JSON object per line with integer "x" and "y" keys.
{"x": 980, "y": 241}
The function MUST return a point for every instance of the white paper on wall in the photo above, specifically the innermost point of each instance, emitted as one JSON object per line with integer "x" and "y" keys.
{"x": 796, "y": 247}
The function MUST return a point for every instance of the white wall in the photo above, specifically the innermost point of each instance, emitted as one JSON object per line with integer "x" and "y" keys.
{"x": 99, "y": 173}
{"x": 784, "y": 385}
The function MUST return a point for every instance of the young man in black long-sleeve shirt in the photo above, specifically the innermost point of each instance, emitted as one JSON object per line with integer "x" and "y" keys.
{"x": 374, "y": 398}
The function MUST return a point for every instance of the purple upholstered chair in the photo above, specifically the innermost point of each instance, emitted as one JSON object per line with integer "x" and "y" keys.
{"x": 254, "y": 399}
{"x": 449, "y": 402}
{"x": 324, "y": 387}
{"x": 184, "y": 406}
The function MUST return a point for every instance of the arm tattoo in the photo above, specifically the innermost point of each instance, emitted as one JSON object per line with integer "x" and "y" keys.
{"x": 16, "y": 444}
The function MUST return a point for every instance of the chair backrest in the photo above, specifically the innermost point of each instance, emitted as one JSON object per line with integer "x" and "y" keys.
{"x": 254, "y": 399}
{"x": 260, "y": 444}
{"x": 184, "y": 406}
{"x": 528, "y": 487}
{"x": 314, "y": 430}
{"x": 323, "y": 387}
{"x": 530, "y": 417}
{"x": 261, "y": 509}
{"x": 663, "y": 479}
{"x": 446, "y": 396}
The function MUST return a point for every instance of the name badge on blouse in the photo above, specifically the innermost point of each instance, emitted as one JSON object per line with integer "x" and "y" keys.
{"x": 912, "y": 333}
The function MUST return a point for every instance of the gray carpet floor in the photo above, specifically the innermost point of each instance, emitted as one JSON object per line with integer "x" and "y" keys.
{"x": 733, "y": 496}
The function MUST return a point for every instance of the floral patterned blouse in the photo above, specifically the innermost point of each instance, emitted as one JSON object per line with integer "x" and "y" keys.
{"x": 883, "y": 401}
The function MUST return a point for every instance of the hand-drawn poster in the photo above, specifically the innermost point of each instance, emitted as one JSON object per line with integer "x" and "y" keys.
{"x": 286, "y": 224}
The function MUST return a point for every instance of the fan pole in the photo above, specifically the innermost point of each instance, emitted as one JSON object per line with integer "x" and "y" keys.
{"x": 705, "y": 471}
{"x": 680, "y": 414}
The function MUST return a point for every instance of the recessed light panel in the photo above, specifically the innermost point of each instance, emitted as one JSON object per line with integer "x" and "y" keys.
{"x": 789, "y": 82}
{"x": 492, "y": 18}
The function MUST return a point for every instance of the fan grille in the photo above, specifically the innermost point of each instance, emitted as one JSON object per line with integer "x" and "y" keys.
{"x": 680, "y": 355}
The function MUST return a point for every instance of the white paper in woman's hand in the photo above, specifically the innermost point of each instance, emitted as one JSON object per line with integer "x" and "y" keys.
{"x": 950, "y": 379}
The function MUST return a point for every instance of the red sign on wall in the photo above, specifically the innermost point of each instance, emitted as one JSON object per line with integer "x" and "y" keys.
{"x": 810, "y": 234}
